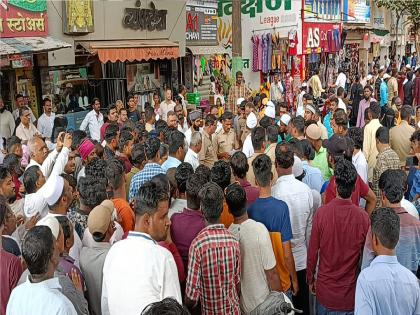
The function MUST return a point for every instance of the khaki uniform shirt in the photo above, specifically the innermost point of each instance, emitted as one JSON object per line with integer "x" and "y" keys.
{"x": 207, "y": 154}
{"x": 225, "y": 142}
{"x": 399, "y": 139}
{"x": 250, "y": 176}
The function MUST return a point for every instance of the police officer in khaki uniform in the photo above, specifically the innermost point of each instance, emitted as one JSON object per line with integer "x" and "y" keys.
{"x": 207, "y": 153}
{"x": 225, "y": 140}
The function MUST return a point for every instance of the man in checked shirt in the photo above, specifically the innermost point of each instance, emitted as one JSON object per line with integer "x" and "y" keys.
{"x": 214, "y": 268}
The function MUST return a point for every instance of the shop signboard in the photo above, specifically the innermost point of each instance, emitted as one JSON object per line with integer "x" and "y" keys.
{"x": 259, "y": 17}
{"x": 322, "y": 11}
{"x": 201, "y": 26}
{"x": 21, "y": 61}
{"x": 19, "y": 18}
{"x": 145, "y": 19}
{"x": 320, "y": 37}
{"x": 357, "y": 11}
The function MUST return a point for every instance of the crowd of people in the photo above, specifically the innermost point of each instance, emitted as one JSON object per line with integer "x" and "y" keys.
{"x": 252, "y": 208}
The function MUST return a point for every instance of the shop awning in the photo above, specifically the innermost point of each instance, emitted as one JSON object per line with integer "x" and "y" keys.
{"x": 131, "y": 50}
{"x": 20, "y": 45}
{"x": 207, "y": 50}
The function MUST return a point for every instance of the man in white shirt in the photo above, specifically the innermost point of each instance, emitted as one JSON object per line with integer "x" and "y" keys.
{"x": 26, "y": 130}
{"x": 299, "y": 199}
{"x": 167, "y": 105}
{"x": 276, "y": 90}
{"x": 341, "y": 80}
{"x": 182, "y": 121}
{"x": 20, "y": 102}
{"x": 94, "y": 121}
{"x": 258, "y": 266}
{"x": 58, "y": 194}
{"x": 41, "y": 293}
{"x": 251, "y": 123}
{"x": 137, "y": 271}
{"x": 195, "y": 147}
{"x": 45, "y": 122}
{"x": 358, "y": 159}
{"x": 299, "y": 106}
{"x": 56, "y": 160}
{"x": 7, "y": 125}
{"x": 182, "y": 94}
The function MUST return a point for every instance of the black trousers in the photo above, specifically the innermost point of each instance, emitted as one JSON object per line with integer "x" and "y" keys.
{"x": 301, "y": 300}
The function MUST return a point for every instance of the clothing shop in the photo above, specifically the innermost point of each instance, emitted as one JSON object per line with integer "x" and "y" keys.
{"x": 24, "y": 43}
{"x": 270, "y": 38}
{"x": 321, "y": 44}
{"x": 117, "y": 50}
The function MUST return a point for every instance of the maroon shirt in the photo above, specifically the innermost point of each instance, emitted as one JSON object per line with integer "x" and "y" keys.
{"x": 252, "y": 192}
{"x": 361, "y": 189}
{"x": 10, "y": 272}
{"x": 184, "y": 228}
{"x": 338, "y": 235}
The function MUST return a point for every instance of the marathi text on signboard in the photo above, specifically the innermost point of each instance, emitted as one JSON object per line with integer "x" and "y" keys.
{"x": 145, "y": 19}
{"x": 201, "y": 26}
{"x": 23, "y": 18}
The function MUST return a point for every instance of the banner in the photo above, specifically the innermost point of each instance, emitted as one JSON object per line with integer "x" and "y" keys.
{"x": 322, "y": 11}
{"x": 357, "y": 11}
{"x": 20, "y": 18}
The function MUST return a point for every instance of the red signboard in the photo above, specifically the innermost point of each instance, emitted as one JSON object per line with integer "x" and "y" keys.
{"x": 320, "y": 37}
{"x": 23, "y": 18}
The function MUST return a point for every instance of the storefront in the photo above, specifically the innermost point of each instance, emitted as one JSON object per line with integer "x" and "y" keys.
{"x": 23, "y": 46}
{"x": 321, "y": 46}
{"x": 357, "y": 28}
{"x": 121, "y": 48}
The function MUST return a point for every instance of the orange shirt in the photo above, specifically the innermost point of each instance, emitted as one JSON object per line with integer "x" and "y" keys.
{"x": 226, "y": 218}
{"x": 125, "y": 213}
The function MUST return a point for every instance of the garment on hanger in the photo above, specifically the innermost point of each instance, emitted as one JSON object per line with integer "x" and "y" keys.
{"x": 264, "y": 53}
{"x": 254, "y": 40}
{"x": 322, "y": 70}
{"x": 269, "y": 51}
{"x": 293, "y": 43}
{"x": 275, "y": 59}
{"x": 260, "y": 53}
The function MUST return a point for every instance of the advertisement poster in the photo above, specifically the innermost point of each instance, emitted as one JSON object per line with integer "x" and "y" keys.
{"x": 201, "y": 26}
{"x": 357, "y": 11}
{"x": 20, "y": 18}
{"x": 322, "y": 11}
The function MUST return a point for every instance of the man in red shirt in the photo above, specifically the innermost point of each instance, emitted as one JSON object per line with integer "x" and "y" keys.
{"x": 338, "y": 235}
{"x": 10, "y": 266}
{"x": 339, "y": 148}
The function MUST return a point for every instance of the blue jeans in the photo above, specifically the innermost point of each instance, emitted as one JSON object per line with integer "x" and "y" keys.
{"x": 322, "y": 310}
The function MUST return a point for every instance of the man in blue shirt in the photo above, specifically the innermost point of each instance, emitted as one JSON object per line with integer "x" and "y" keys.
{"x": 386, "y": 287}
{"x": 152, "y": 168}
{"x": 177, "y": 150}
{"x": 274, "y": 214}
{"x": 384, "y": 90}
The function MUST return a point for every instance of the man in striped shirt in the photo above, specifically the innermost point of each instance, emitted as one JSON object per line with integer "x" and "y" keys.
{"x": 214, "y": 268}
